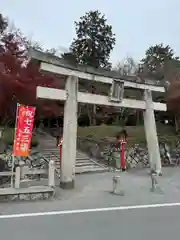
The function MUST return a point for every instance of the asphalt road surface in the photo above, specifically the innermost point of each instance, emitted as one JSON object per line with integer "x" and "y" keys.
{"x": 148, "y": 222}
{"x": 161, "y": 223}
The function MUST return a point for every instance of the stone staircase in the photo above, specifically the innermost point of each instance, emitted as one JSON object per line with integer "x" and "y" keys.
{"x": 84, "y": 164}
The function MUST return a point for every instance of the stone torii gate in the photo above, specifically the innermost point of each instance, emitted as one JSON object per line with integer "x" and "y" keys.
{"x": 72, "y": 96}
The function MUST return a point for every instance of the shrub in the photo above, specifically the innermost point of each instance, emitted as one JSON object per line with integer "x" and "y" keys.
{"x": 8, "y": 137}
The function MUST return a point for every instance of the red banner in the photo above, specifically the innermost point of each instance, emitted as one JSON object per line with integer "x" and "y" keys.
{"x": 23, "y": 132}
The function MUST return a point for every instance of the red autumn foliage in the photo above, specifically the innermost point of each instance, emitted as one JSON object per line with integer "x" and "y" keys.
{"x": 18, "y": 81}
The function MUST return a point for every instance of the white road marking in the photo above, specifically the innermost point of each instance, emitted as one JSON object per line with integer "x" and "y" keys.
{"x": 107, "y": 209}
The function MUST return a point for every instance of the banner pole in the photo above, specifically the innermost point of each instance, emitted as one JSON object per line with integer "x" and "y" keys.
{"x": 12, "y": 169}
{"x": 12, "y": 172}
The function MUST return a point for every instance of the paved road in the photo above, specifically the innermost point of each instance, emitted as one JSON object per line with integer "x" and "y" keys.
{"x": 136, "y": 224}
{"x": 93, "y": 191}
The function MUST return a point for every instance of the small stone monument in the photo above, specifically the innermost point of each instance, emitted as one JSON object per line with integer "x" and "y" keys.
{"x": 155, "y": 187}
{"x": 117, "y": 186}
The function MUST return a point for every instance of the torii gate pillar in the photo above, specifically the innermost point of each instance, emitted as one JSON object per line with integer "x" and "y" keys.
{"x": 151, "y": 133}
{"x": 67, "y": 174}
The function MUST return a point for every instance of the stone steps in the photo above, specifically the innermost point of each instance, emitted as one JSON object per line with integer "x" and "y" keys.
{"x": 90, "y": 169}
{"x": 86, "y": 169}
{"x": 83, "y": 163}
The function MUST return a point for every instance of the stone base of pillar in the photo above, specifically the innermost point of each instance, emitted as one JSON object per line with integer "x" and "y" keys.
{"x": 67, "y": 185}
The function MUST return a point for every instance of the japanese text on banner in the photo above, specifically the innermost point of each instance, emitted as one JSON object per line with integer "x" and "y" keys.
{"x": 23, "y": 133}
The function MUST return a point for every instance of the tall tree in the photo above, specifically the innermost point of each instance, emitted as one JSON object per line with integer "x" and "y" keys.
{"x": 155, "y": 58}
{"x": 95, "y": 40}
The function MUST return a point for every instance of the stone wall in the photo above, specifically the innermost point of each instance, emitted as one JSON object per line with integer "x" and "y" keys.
{"x": 136, "y": 155}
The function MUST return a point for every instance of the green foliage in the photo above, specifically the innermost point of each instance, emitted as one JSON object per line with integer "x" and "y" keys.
{"x": 95, "y": 40}
{"x": 69, "y": 57}
{"x": 155, "y": 58}
{"x": 8, "y": 137}
{"x": 136, "y": 134}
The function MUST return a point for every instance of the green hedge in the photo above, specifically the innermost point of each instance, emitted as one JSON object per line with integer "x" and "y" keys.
{"x": 8, "y": 137}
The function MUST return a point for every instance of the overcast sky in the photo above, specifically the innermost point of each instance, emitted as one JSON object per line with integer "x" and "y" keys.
{"x": 136, "y": 23}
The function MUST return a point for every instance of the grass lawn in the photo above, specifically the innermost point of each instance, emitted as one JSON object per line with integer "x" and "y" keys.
{"x": 136, "y": 134}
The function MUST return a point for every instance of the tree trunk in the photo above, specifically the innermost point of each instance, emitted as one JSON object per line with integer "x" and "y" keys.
{"x": 89, "y": 113}
{"x": 137, "y": 117}
{"x": 94, "y": 115}
{"x": 176, "y": 121}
